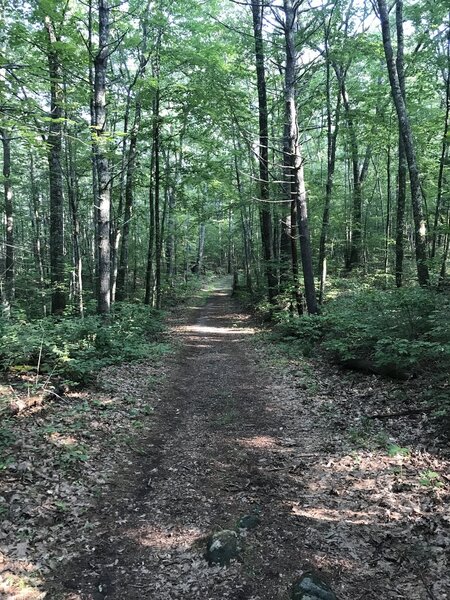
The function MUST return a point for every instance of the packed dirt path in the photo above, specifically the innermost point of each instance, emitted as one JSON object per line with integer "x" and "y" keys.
{"x": 204, "y": 470}
{"x": 232, "y": 437}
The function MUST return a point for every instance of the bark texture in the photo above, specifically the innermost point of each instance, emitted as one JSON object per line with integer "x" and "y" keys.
{"x": 264, "y": 193}
{"x": 332, "y": 134}
{"x": 420, "y": 228}
{"x": 122, "y": 274}
{"x": 103, "y": 204}
{"x": 444, "y": 159}
{"x": 8, "y": 291}
{"x": 54, "y": 143}
{"x": 402, "y": 162}
{"x": 295, "y": 173}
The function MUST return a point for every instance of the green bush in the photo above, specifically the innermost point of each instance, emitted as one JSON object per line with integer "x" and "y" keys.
{"x": 407, "y": 328}
{"x": 75, "y": 348}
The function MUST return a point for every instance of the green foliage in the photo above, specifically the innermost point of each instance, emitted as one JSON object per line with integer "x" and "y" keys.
{"x": 395, "y": 450}
{"x": 430, "y": 478}
{"x": 7, "y": 436}
{"x": 73, "y": 455}
{"x": 75, "y": 349}
{"x": 182, "y": 290}
{"x": 362, "y": 434}
{"x": 405, "y": 329}
{"x": 62, "y": 506}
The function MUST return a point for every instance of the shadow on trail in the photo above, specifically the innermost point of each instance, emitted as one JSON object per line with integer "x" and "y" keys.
{"x": 219, "y": 451}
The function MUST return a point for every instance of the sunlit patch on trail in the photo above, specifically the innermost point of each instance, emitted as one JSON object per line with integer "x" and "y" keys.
{"x": 259, "y": 441}
{"x": 207, "y": 329}
{"x": 320, "y": 513}
{"x": 19, "y": 580}
{"x": 62, "y": 440}
{"x": 198, "y": 345}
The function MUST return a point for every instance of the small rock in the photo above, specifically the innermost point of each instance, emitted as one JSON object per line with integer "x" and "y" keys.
{"x": 222, "y": 547}
{"x": 311, "y": 587}
{"x": 249, "y": 522}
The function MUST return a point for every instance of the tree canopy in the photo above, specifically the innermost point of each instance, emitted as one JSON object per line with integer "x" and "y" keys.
{"x": 144, "y": 142}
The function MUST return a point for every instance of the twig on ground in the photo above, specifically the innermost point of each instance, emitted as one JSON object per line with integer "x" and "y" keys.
{"x": 402, "y": 413}
{"x": 428, "y": 590}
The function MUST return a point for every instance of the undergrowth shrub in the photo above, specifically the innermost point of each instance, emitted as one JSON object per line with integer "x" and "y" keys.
{"x": 75, "y": 348}
{"x": 256, "y": 302}
{"x": 407, "y": 328}
{"x": 181, "y": 291}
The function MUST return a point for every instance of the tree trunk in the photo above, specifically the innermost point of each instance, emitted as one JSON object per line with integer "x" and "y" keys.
{"x": 293, "y": 219}
{"x": 119, "y": 222}
{"x": 72, "y": 189}
{"x": 331, "y": 164}
{"x": 171, "y": 205}
{"x": 443, "y": 270}
{"x": 122, "y": 273}
{"x": 295, "y": 175}
{"x": 157, "y": 184}
{"x": 170, "y": 243}
{"x": 244, "y": 223}
{"x": 265, "y": 212}
{"x": 95, "y": 212}
{"x": 420, "y": 228}
{"x": 8, "y": 291}
{"x": 387, "y": 231}
{"x": 200, "y": 248}
{"x": 102, "y": 162}
{"x": 54, "y": 142}
{"x": 353, "y": 257}
{"x": 290, "y": 231}
{"x": 149, "y": 275}
{"x": 401, "y": 204}
{"x": 444, "y": 151}
{"x": 72, "y": 179}
{"x": 402, "y": 162}
{"x": 39, "y": 242}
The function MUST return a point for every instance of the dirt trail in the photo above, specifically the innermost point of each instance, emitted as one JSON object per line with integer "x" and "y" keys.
{"x": 201, "y": 474}
{"x": 232, "y": 437}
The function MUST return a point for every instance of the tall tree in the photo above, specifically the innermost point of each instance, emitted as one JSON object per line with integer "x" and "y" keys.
{"x": 103, "y": 201}
{"x": 295, "y": 172}
{"x": 264, "y": 193}
{"x": 445, "y": 149}
{"x": 420, "y": 227}
{"x": 128, "y": 171}
{"x": 402, "y": 162}
{"x": 7, "y": 294}
{"x": 54, "y": 142}
{"x": 359, "y": 174}
{"x": 153, "y": 269}
{"x": 333, "y": 119}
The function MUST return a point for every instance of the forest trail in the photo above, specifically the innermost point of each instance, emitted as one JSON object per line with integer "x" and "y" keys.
{"x": 234, "y": 436}
{"x": 204, "y": 470}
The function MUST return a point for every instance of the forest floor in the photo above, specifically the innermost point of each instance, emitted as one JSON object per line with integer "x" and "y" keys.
{"x": 113, "y": 492}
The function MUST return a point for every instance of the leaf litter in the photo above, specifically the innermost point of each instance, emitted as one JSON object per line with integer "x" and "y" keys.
{"x": 56, "y": 460}
{"x": 111, "y": 493}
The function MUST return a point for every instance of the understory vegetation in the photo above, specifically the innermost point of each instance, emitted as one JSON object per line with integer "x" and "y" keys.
{"x": 75, "y": 349}
{"x": 56, "y": 355}
{"x": 403, "y": 329}
{"x": 398, "y": 333}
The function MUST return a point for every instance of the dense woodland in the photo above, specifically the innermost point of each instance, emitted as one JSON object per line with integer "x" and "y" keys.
{"x": 302, "y": 146}
{"x": 225, "y": 308}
